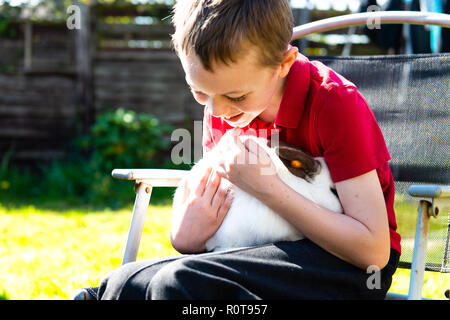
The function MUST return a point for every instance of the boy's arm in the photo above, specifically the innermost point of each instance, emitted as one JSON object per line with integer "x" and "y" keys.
{"x": 360, "y": 236}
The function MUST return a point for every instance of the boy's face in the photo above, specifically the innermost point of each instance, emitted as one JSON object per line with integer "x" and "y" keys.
{"x": 239, "y": 92}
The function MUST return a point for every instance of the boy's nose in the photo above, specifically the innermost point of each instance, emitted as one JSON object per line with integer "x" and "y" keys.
{"x": 217, "y": 108}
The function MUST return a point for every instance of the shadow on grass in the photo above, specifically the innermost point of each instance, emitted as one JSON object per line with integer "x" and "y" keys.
{"x": 160, "y": 197}
{"x": 72, "y": 184}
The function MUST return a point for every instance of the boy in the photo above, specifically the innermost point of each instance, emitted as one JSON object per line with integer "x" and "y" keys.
{"x": 240, "y": 66}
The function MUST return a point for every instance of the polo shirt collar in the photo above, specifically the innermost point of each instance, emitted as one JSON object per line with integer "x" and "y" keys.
{"x": 295, "y": 94}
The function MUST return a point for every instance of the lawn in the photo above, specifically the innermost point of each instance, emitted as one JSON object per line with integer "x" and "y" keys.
{"x": 48, "y": 254}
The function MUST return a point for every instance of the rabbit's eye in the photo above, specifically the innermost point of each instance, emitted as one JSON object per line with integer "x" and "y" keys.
{"x": 296, "y": 164}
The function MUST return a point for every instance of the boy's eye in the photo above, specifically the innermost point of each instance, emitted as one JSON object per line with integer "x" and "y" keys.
{"x": 236, "y": 99}
{"x": 201, "y": 94}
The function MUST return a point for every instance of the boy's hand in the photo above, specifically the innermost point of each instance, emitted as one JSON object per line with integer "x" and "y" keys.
{"x": 204, "y": 210}
{"x": 248, "y": 166}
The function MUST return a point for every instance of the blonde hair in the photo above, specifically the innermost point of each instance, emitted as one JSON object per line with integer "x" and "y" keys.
{"x": 218, "y": 30}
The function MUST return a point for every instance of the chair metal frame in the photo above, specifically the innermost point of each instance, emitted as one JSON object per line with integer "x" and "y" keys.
{"x": 146, "y": 179}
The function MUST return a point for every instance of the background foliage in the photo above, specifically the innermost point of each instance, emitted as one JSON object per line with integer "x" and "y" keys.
{"x": 118, "y": 139}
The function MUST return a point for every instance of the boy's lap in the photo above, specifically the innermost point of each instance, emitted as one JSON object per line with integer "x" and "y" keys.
{"x": 295, "y": 270}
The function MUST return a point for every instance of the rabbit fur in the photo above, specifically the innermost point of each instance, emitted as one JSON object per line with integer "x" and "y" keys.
{"x": 249, "y": 222}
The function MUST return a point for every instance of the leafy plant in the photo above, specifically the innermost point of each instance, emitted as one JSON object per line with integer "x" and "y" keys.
{"x": 124, "y": 138}
{"x": 118, "y": 139}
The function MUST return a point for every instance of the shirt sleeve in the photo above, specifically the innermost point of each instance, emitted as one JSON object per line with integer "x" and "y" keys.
{"x": 351, "y": 139}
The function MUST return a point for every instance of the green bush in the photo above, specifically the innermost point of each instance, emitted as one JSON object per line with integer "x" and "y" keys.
{"x": 126, "y": 139}
{"x": 118, "y": 139}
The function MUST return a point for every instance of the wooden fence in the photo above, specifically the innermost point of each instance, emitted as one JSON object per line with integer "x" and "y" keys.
{"x": 53, "y": 80}
{"x": 38, "y": 102}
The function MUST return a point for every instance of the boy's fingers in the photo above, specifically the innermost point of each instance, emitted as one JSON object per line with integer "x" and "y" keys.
{"x": 240, "y": 142}
{"x": 220, "y": 194}
{"x": 221, "y": 171}
{"x": 212, "y": 186}
{"x": 225, "y": 205}
{"x": 255, "y": 148}
{"x": 202, "y": 183}
{"x": 250, "y": 145}
{"x": 221, "y": 166}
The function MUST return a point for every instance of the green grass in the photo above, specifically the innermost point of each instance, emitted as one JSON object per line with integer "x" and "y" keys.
{"x": 435, "y": 283}
{"x": 48, "y": 253}
{"x": 406, "y": 214}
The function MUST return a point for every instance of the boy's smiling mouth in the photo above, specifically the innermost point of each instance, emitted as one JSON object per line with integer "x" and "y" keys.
{"x": 234, "y": 118}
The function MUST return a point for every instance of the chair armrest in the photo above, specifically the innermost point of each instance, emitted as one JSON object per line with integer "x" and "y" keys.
{"x": 429, "y": 191}
{"x": 153, "y": 177}
{"x": 144, "y": 181}
{"x": 439, "y": 194}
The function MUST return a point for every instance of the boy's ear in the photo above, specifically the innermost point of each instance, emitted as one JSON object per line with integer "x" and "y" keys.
{"x": 298, "y": 162}
{"x": 288, "y": 60}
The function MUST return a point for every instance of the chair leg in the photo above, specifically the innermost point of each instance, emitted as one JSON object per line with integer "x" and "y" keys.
{"x": 141, "y": 203}
{"x": 420, "y": 251}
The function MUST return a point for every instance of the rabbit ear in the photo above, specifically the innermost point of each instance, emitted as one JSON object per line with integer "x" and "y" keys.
{"x": 298, "y": 162}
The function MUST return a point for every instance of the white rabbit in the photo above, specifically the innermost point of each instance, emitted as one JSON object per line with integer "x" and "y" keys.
{"x": 249, "y": 222}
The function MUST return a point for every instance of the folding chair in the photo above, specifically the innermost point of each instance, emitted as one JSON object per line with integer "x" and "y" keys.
{"x": 409, "y": 97}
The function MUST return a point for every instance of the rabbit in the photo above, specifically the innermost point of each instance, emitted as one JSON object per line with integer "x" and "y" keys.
{"x": 249, "y": 222}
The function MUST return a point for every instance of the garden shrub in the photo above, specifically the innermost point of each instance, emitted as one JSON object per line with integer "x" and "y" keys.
{"x": 118, "y": 139}
{"x": 126, "y": 139}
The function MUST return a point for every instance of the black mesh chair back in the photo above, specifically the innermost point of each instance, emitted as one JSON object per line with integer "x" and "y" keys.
{"x": 409, "y": 95}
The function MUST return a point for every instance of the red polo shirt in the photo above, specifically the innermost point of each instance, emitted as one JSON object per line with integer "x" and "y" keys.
{"x": 323, "y": 113}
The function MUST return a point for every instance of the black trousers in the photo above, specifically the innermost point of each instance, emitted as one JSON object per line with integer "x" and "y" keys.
{"x": 284, "y": 270}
